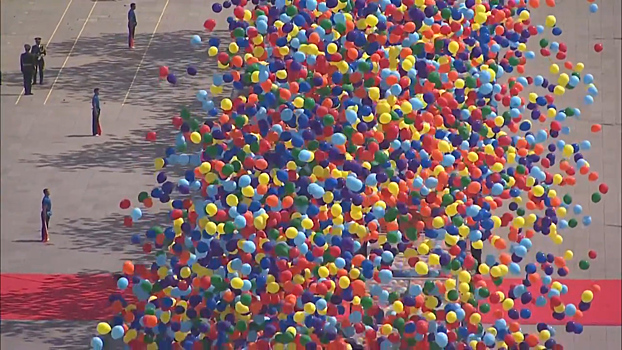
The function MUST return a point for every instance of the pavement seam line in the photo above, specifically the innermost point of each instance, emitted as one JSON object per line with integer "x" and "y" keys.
{"x": 70, "y": 52}
{"x": 49, "y": 41}
{"x": 145, "y": 53}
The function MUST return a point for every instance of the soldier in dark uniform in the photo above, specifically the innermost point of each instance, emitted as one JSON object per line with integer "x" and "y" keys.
{"x": 27, "y": 63}
{"x": 39, "y": 51}
{"x": 131, "y": 24}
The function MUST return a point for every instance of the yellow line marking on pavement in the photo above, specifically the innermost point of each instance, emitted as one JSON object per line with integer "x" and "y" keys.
{"x": 50, "y": 40}
{"x": 145, "y": 53}
{"x": 70, "y": 52}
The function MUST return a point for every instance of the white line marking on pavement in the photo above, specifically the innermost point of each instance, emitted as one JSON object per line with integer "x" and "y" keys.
{"x": 50, "y": 40}
{"x": 145, "y": 54}
{"x": 70, "y": 52}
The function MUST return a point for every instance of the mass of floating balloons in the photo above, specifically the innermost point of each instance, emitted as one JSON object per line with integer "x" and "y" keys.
{"x": 410, "y": 124}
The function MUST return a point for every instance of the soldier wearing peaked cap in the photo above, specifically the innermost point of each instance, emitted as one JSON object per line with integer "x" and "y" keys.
{"x": 39, "y": 51}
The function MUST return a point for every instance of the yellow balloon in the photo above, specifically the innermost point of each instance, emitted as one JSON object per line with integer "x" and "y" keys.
{"x": 185, "y": 272}
{"x": 344, "y": 282}
{"x": 234, "y": 48}
{"x": 211, "y": 209}
{"x": 453, "y": 47}
{"x": 237, "y": 283}
{"x": 550, "y": 21}
{"x": 508, "y": 304}
{"x": 299, "y": 317}
{"x": 398, "y": 306}
{"x": 538, "y": 191}
{"x": 421, "y": 268}
{"x": 386, "y": 329}
{"x": 309, "y": 308}
{"x": 103, "y": 328}
{"x": 323, "y": 271}
{"x": 371, "y": 20}
{"x": 248, "y": 191}
{"x": 205, "y": 167}
{"x": 587, "y": 296}
{"x": 273, "y": 288}
{"x": 195, "y": 137}
{"x": 158, "y": 163}
{"x": 226, "y": 104}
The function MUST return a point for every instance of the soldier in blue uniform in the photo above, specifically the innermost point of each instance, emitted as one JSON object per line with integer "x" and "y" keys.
{"x": 27, "y": 63}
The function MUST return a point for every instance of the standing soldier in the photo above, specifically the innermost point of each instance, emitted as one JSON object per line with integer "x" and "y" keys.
{"x": 96, "y": 126}
{"x": 27, "y": 63}
{"x": 38, "y": 50}
{"x": 131, "y": 24}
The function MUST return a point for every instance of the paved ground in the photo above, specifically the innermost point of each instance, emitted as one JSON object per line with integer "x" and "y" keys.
{"x": 88, "y": 176}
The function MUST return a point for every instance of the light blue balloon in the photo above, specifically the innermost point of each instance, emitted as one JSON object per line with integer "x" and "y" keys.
{"x": 338, "y": 139}
{"x": 441, "y": 339}
{"x": 195, "y": 40}
{"x": 304, "y": 155}
{"x": 353, "y": 183}
{"x": 136, "y": 214}
{"x": 97, "y": 343}
{"x": 184, "y": 159}
{"x": 248, "y": 247}
{"x": 122, "y": 283}
{"x": 117, "y": 332}
{"x": 201, "y": 95}
{"x": 239, "y": 221}
{"x": 385, "y": 276}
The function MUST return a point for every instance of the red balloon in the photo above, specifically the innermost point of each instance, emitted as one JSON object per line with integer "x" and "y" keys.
{"x": 163, "y": 72}
{"x": 592, "y": 254}
{"x": 209, "y": 24}
{"x": 151, "y": 136}
{"x": 598, "y": 47}
{"x": 125, "y": 204}
{"x": 177, "y": 122}
{"x": 239, "y": 12}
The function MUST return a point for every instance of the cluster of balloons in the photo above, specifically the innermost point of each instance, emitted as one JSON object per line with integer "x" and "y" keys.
{"x": 408, "y": 125}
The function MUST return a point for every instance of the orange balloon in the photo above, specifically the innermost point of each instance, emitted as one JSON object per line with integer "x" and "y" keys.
{"x": 128, "y": 268}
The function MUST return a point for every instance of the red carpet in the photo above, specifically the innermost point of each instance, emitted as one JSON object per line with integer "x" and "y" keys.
{"x": 605, "y": 309}
{"x": 85, "y": 297}
{"x": 28, "y": 297}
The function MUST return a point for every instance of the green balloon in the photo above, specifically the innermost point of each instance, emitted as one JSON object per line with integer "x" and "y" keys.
{"x": 142, "y": 196}
{"x": 484, "y": 308}
{"x": 453, "y": 295}
{"x": 596, "y": 197}
{"x": 246, "y": 299}
{"x": 584, "y": 264}
{"x": 567, "y": 199}
{"x": 185, "y": 113}
{"x": 146, "y": 286}
{"x": 367, "y": 302}
{"x": 282, "y": 249}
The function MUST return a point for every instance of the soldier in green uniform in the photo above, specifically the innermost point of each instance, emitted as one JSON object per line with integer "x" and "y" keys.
{"x": 39, "y": 51}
